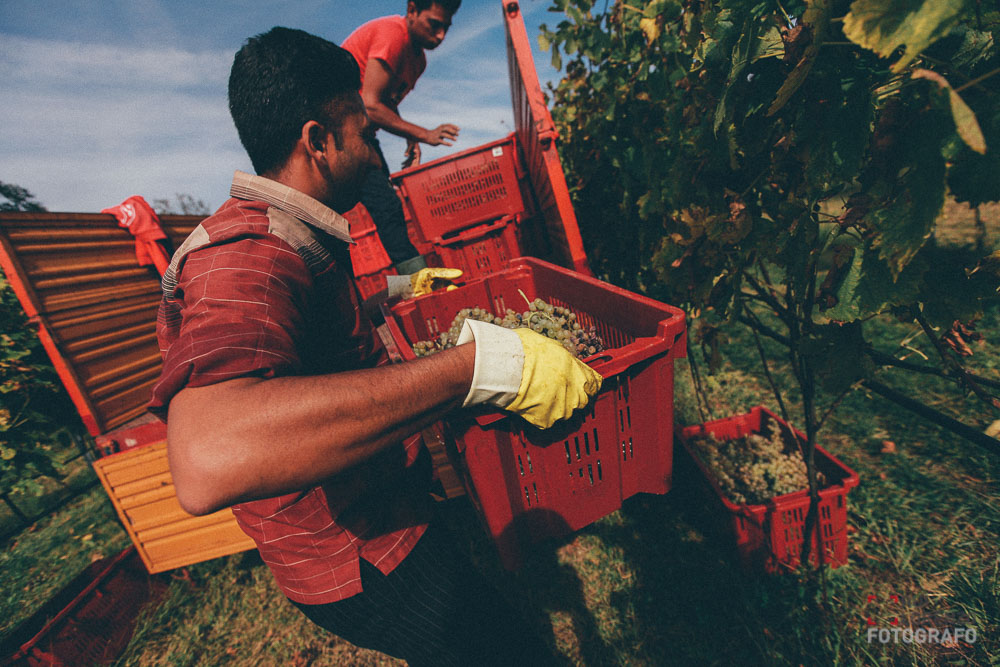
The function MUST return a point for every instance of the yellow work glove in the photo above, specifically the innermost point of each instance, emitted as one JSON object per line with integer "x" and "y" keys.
{"x": 526, "y": 373}
{"x": 422, "y": 282}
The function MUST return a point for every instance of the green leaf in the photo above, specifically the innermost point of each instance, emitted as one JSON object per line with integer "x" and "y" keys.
{"x": 975, "y": 178}
{"x": 965, "y": 121}
{"x": 884, "y": 26}
{"x": 837, "y": 355}
{"x": 770, "y": 45}
{"x": 848, "y": 307}
{"x": 976, "y": 46}
{"x": 903, "y": 220}
{"x": 544, "y": 39}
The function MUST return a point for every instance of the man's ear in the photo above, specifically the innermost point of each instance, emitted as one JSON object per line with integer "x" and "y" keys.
{"x": 314, "y": 137}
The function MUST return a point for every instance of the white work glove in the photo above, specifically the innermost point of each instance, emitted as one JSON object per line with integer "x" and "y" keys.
{"x": 527, "y": 374}
{"x": 422, "y": 282}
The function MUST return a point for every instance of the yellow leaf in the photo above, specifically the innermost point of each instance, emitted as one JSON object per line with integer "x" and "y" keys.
{"x": 965, "y": 120}
{"x": 652, "y": 29}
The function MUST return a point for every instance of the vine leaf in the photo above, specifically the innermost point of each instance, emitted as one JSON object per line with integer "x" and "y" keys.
{"x": 884, "y": 26}
{"x": 769, "y": 45}
{"x": 904, "y": 219}
{"x": 817, "y": 18}
{"x": 837, "y": 354}
{"x": 652, "y": 29}
{"x": 848, "y": 306}
{"x": 965, "y": 120}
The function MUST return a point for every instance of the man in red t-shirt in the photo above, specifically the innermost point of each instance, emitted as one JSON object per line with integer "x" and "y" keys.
{"x": 390, "y": 55}
{"x": 276, "y": 403}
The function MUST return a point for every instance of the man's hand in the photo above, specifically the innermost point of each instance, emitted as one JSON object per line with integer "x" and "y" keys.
{"x": 422, "y": 282}
{"x": 528, "y": 374}
{"x": 442, "y": 134}
{"x": 412, "y": 154}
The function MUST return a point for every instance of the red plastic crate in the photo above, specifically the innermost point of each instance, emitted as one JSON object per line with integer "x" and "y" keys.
{"x": 369, "y": 259}
{"x": 770, "y": 535}
{"x": 527, "y": 483}
{"x": 456, "y": 192}
{"x": 483, "y": 249}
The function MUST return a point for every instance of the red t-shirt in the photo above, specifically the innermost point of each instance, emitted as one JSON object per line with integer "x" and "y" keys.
{"x": 259, "y": 289}
{"x": 387, "y": 39}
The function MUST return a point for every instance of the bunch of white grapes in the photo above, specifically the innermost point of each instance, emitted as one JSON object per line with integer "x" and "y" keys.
{"x": 554, "y": 322}
{"x": 754, "y": 469}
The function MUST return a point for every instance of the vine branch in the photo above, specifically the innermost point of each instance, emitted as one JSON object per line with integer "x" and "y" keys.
{"x": 955, "y": 366}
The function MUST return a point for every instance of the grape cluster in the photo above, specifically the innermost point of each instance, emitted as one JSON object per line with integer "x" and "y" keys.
{"x": 754, "y": 469}
{"x": 554, "y": 322}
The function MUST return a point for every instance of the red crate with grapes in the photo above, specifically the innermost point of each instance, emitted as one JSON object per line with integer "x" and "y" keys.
{"x": 769, "y": 533}
{"x": 527, "y": 483}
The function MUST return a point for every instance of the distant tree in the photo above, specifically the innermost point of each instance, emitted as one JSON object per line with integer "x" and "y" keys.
{"x": 183, "y": 204}
{"x": 18, "y": 199}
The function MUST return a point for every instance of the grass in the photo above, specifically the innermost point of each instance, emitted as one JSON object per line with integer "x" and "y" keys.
{"x": 46, "y": 556}
{"x": 77, "y": 476}
{"x": 653, "y": 583}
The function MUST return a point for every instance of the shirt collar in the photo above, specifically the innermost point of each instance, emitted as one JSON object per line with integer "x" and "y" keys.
{"x": 291, "y": 201}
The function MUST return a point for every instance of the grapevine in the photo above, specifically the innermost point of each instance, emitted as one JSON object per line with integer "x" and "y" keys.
{"x": 783, "y": 165}
{"x": 754, "y": 468}
{"x": 554, "y": 322}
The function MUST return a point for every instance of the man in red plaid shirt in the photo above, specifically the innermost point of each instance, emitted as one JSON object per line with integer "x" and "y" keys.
{"x": 276, "y": 398}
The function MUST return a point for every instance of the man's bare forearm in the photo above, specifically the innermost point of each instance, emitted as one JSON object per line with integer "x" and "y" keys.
{"x": 251, "y": 438}
{"x": 387, "y": 119}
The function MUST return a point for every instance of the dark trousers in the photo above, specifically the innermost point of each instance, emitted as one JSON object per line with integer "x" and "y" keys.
{"x": 433, "y": 609}
{"x": 382, "y": 202}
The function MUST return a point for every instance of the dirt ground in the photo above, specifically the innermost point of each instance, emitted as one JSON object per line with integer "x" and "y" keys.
{"x": 959, "y": 225}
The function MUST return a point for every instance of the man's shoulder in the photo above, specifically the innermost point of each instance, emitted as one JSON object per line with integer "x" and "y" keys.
{"x": 235, "y": 218}
{"x": 394, "y": 23}
{"x": 385, "y": 28}
{"x": 245, "y": 234}
{"x": 236, "y": 221}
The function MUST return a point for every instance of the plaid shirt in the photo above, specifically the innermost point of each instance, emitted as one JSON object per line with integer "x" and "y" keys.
{"x": 263, "y": 288}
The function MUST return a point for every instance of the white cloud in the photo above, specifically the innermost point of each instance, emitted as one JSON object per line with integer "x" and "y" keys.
{"x": 55, "y": 64}
{"x": 85, "y": 125}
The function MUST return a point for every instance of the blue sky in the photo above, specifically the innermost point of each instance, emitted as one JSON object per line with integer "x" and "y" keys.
{"x": 103, "y": 99}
